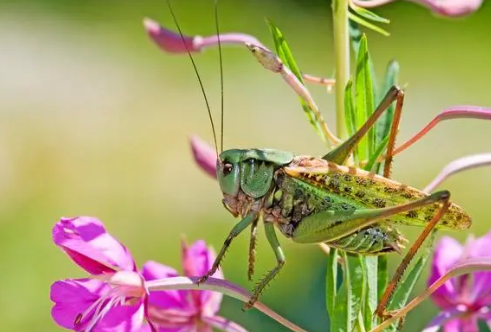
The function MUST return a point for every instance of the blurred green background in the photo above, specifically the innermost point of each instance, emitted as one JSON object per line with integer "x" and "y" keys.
{"x": 95, "y": 120}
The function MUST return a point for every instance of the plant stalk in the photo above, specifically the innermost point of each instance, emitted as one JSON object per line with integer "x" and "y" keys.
{"x": 342, "y": 61}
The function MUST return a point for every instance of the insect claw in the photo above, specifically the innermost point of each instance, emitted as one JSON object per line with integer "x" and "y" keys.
{"x": 403, "y": 239}
{"x": 398, "y": 247}
{"x": 249, "y": 304}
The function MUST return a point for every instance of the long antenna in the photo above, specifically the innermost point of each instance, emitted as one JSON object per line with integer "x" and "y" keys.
{"x": 221, "y": 75}
{"x": 197, "y": 75}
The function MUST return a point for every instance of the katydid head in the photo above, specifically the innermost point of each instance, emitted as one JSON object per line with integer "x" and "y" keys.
{"x": 249, "y": 170}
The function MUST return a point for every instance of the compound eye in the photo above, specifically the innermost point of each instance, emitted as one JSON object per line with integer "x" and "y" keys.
{"x": 227, "y": 168}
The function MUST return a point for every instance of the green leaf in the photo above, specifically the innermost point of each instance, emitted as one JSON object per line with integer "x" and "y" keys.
{"x": 364, "y": 98}
{"x": 283, "y": 50}
{"x": 378, "y": 152}
{"x": 350, "y": 295}
{"x": 371, "y": 298}
{"x": 385, "y": 121}
{"x": 383, "y": 276}
{"x": 331, "y": 281}
{"x": 350, "y": 115}
{"x": 365, "y": 13}
{"x": 349, "y": 108}
{"x": 367, "y": 24}
{"x": 284, "y": 53}
{"x": 483, "y": 326}
{"x": 355, "y": 36}
{"x": 406, "y": 286}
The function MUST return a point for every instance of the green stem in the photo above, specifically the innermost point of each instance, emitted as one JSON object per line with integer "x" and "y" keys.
{"x": 342, "y": 61}
{"x": 342, "y": 67}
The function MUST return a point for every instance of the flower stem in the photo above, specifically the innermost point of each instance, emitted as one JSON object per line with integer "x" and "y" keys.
{"x": 217, "y": 285}
{"x": 342, "y": 60}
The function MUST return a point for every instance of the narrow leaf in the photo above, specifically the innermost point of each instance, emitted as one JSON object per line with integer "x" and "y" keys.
{"x": 377, "y": 153}
{"x": 349, "y": 108}
{"x": 284, "y": 53}
{"x": 385, "y": 121}
{"x": 355, "y": 36}
{"x": 364, "y": 97}
{"x": 350, "y": 295}
{"x": 483, "y": 326}
{"x": 367, "y": 24}
{"x": 406, "y": 286}
{"x": 365, "y": 13}
{"x": 350, "y": 114}
{"x": 371, "y": 298}
{"x": 464, "y": 266}
{"x": 383, "y": 276}
{"x": 331, "y": 281}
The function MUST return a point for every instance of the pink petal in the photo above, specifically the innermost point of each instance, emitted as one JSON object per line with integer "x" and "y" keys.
{"x": 459, "y": 165}
{"x": 205, "y": 156}
{"x": 167, "y": 40}
{"x": 442, "y": 319}
{"x": 124, "y": 318}
{"x": 451, "y": 8}
{"x": 73, "y": 297}
{"x": 452, "y": 326}
{"x": 163, "y": 299}
{"x": 480, "y": 292}
{"x": 197, "y": 260}
{"x": 223, "y": 324}
{"x": 447, "y": 252}
{"x": 172, "y": 42}
{"x": 455, "y": 8}
{"x": 88, "y": 244}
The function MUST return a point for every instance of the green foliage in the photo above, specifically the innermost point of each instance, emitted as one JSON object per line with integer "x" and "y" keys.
{"x": 363, "y": 17}
{"x": 363, "y": 280}
{"x": 391, "y": 78}
{"x": 364, "y": 96}
{"x": 284, "y": 53}
{"x": 401, "y": 294}
{"x": 349, "y": 297}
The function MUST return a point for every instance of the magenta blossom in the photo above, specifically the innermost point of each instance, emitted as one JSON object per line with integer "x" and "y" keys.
{"x": 449, "y": 8}
{"x": 466, "y": 299}
{"x": 172, "y": 42}
{"x": 204, "y": 155}
{"x": 187, "y": 310}
{"x": 115, "y": 298}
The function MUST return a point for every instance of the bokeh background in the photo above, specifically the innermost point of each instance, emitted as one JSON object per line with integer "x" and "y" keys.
{"x": 95, "y": 120}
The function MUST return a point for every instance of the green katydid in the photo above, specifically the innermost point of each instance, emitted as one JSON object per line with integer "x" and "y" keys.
{"x": 321, "y": 200}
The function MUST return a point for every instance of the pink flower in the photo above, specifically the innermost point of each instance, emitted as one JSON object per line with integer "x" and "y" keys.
{"x": 464, "y": 299}
{"x": 205, "y": 156}
{"x": 115, "y": 298}
{"x": 450, "y": 8}
{"x": 187, "y": 310}
{"x": 172, "y": 42}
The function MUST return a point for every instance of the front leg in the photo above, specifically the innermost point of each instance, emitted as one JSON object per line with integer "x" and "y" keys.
{"x": 243, "y": 224}
{"x": 280, "y": 261}
{"x": 252, "y": 249}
